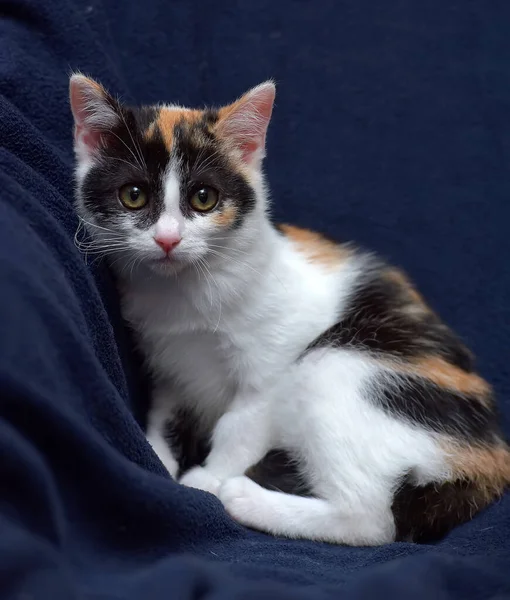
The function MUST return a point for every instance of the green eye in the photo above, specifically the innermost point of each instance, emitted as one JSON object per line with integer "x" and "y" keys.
{"x": 132, "y": 196}
{"x": 204, "y": 199}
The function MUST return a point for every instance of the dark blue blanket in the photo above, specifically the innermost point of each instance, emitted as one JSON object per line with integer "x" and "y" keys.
{"x": 391, "y": 128}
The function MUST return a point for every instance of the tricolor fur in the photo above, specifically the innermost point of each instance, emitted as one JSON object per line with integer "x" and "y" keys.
{"x": 275, "y": 341}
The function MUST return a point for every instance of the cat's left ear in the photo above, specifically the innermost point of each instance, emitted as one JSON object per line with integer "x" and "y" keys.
{"x": 95, "y": 113}
{"x": 244, "y": 123}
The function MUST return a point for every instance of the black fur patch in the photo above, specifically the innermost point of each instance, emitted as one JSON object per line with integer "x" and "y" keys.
{"x": 204, "y": 162}
{"x": 189, "y": 445}
{"x": 377, "y": 320}
{"x": 277, "y": 471}
{"x": 425, "y": 514}
{"x": 434, "y": 408}
{"x": 127, "y": 157}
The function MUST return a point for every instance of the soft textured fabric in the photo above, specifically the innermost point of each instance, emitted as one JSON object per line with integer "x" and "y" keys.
{"x": 390, "y": 128}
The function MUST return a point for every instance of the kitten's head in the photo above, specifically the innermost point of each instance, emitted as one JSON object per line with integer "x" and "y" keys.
{"x": 165, "y": 184}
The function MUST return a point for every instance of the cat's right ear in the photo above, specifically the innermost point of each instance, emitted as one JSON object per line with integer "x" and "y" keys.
{"x": 95, "y": 113}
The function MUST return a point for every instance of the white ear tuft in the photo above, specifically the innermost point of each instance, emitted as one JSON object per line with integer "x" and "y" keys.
{"x": 93, "y": 111}
{"x": 244, "y": 123}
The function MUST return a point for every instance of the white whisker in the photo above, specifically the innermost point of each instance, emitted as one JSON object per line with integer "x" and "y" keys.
{"x": 219, "y": 295}
{"x": 98, "y": 226}
{"x": 237, "y": 251}
{"x": 133, "y": 166}
{"x": 206, "y": 271}
{"x": 130, "y": 150}
{"x": 234, "y": 260}
{"x": 201, "y": 167}
{"x": 136, "y": 146}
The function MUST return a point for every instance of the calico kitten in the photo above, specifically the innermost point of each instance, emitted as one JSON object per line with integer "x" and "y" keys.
{"x": 275, "y": 338}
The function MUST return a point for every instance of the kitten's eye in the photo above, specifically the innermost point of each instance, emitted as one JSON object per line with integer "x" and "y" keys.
{"x": 204, "y": 199}
{"x": 133, "y": 196}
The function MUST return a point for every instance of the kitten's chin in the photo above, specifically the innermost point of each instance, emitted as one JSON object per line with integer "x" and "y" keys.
{"x": 166, "y": 267}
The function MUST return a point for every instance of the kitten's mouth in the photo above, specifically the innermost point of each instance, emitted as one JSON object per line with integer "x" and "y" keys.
{"x": 166, "y": 264}
{"x": 164, "y": 259}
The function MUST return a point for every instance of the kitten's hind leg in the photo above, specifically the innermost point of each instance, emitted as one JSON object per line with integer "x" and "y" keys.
{"x": 350, "y": 453}
{"x": 157, "y": 420}
{"x": 310, "y": 518}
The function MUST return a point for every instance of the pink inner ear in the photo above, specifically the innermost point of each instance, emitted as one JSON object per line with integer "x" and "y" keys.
{"x": 90, "y": 138}
{"x": 249, "y": 147}
{"x": 247, "y": 120}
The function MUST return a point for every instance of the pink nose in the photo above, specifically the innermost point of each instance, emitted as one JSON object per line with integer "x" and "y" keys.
{"x": 166, "y": 243}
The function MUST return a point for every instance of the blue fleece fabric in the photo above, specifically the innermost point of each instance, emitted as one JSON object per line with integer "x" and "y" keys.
{"x": 391, "y": 128}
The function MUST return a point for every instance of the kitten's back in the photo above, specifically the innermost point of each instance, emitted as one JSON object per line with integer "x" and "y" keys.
{"x": 429, "y": 381}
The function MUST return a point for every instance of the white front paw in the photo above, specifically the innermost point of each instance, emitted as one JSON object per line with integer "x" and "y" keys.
{"x": 240, "y": 497}
{"x": 201, "y": 479}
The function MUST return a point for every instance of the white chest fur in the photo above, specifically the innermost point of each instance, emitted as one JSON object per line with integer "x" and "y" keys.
{"x": 238, "y": 329}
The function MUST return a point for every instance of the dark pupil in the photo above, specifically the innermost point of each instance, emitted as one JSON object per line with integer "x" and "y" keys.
{"x": 134, "y": 194}
{"x": 203, "y": 196}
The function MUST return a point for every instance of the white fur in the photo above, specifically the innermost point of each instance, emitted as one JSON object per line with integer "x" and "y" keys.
{"x": 224, "y": 327}
{"x": 225, "y": 341}
{"x": 172, "y": 192}
{"x": 229, "y": 341}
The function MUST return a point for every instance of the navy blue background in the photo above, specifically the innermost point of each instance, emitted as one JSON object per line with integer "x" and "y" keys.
{"x": 390, "y": 128}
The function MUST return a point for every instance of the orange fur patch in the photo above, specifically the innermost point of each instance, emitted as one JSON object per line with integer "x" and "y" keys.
{"x": 99, "y": 89}
{"x": 149, "y": 132}
{"x": 226, "y": 217}
{"x": 448, "y": 376}
{"x": 317, "y": 248}
{"x": 399, "y": 278}
{"x": 168, "y": 119}
{"x": 486, "y": 466}
{"x": 225, "y": 111}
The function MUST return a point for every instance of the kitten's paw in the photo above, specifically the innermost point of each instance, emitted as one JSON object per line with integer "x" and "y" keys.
{"x": 200, "y": 479}
{"x": 241, "y": 498}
